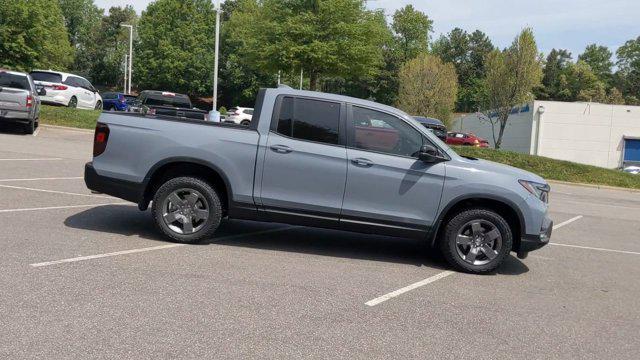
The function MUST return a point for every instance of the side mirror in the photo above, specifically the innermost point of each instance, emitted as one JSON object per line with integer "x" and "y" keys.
{"x": 429, "y": 154}
{"x": 42, "y": 91}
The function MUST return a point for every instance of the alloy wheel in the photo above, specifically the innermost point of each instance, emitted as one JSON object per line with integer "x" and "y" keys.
{"x": 185, "y": 211}
{"x": 478, "y": 242}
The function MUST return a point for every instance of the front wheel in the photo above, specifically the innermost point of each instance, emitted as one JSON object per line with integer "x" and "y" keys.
{"x": 73, "y": 103}
{"x": 187, "y": 209}
{"x": 476, "y": 241}
{"x": 99, "y": 105}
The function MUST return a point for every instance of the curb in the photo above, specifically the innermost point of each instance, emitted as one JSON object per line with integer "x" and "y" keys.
{"x": 594, "y": 186}
{"x": 67, "y": 128}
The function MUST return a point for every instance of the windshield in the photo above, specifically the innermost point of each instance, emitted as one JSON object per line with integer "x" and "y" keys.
{"x": 46, "y": 76}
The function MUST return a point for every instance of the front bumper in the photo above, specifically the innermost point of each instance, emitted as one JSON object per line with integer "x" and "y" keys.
{"x": 534, "y": 242}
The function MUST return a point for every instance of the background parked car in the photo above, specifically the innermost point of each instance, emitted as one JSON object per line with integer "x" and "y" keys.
{"x": 457, "y": 138}
{"x": 117, "y": 101}
{"x": 240, "y": 115}
{"x": 434, "y": 125}
{"x": 67, "y": 90}
{"x": 635, "y": 170}
{"x": 166, "y": 103}
{"x": 19, "y": 100}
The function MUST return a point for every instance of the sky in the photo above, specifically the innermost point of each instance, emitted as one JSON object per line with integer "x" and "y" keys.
{"x": 565, "y": 24}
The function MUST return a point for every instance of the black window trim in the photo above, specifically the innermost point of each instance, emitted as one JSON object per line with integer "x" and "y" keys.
{"x": 350, "y": 131}
{"x": 342, "y": 138}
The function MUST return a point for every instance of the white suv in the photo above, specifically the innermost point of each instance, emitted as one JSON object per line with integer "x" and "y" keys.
{"x": 67, "y": 90}
{"x": 240, "y": 115}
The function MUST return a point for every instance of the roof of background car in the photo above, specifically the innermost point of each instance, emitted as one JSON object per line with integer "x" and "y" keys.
{"x": 335, "y": 97}
{"x": 158, "y": 92}
{"x": 428, "y": 120}
{"x": 63, "y": 74}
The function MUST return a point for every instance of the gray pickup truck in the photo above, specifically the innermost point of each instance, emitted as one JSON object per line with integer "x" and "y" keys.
{"x": 321, "y": 160}
{"x": 19, "y": 100}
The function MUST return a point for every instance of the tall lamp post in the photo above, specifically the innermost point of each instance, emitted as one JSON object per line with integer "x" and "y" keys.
{"x": 217, "y": 54}
{"x": 130, "y": 54}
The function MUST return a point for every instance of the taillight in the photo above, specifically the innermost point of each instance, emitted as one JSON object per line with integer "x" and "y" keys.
{"x": 100, "y": 139}
{"x": 29, "y": 101}
{"x": 58, "y": 87}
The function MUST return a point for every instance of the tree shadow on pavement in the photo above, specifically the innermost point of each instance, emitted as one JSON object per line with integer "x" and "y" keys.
{"x": 128, "y": 220}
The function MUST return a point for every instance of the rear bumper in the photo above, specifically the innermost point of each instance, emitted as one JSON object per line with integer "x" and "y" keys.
{"x": 16, "y": 117}
{"x": 55, "y": 100}
{"x": 534, "y": 242}
{"x": 122, "y": 189}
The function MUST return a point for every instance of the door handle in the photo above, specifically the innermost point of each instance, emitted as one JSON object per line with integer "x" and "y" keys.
{"x": 362, "y": 162}
{"x": 282, "y": 149}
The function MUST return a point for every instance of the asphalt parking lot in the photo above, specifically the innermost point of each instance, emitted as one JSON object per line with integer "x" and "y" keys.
{"x": 87, "y": 276}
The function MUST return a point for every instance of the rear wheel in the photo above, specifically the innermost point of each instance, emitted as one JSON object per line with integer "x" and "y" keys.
{"x": 476, "y": 241}
{"x": 187, "y": 209}
{"x": 73, "y": 103}
{"x": 245, "y": 122}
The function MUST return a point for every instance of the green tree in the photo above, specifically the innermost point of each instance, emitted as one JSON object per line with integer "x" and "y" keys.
{"x": 428, "y": 87}
{"x": 467, "y": 52}
{"x": 599, "y": 59}
{"x": 412, "y": 30}
{"x": 512, "y": 74}
{"x": 33, "y": 35}
{"x": 326, "y": 38}
{"x": 578, "y": 82}
{"x": 628, "y": 75}
{"x": 556, "y": 64}
{"x": 175, "y": 49}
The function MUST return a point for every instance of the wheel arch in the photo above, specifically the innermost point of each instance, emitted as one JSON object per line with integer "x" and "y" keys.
{"x": 185, "y": 166}
{"x": 504, "y": 207}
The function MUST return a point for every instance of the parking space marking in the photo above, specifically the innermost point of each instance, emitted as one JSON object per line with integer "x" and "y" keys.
{"x": 567, "y": 222}
{"x": 55, "y": 191}
{"x": 597, "y": 249}
{"x": 60, "y": 207}
{"x": 405, "y": 289}
{"x": 35, "y": 133}
{"x": 152, "y": 248}
{"x": 38, "y": 179}
{"x": 39, "y": 159}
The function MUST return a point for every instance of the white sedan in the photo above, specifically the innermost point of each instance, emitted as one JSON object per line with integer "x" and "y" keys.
{"x": 67, "y": 89}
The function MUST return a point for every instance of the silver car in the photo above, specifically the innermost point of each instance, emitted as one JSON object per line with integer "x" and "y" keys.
{"x": 19, "y": 100}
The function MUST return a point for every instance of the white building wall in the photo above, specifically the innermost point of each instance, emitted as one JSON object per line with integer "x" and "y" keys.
{"x": 587, "y": 133}
{"x": 517, "y": 133}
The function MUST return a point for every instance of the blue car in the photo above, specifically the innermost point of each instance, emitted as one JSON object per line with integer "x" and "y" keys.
{"x": 434, "y": 125}
{"x": 114, "y": 101}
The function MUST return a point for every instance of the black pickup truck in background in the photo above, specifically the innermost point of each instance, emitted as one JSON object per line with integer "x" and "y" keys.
{"x": 151, "y": 102}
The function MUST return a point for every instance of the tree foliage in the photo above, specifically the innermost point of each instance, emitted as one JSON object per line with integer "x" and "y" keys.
{"x": 428, "y": 87}
{"x": 176, "y": 46}
{"x": 599, "y": 59}
{"x": 326, "y": 38}
{"x": 628, "y": 75}
{"x": 467, "y": 52}
{"x": 33, "y": 35}
{"x": 412, "y": 30}
{"x": 512, "y": 74}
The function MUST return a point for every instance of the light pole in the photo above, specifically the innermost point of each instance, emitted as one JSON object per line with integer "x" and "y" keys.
{"x": 217, "y": 54}
{"x": 125, "y": 73}
{"x": 130, "y": 54}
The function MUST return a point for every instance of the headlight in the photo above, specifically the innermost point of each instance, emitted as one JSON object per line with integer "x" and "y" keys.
{"x": 541, "y": 191}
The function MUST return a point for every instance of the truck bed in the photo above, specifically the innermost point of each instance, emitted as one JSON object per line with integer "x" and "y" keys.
{"x": 140, "y": 144}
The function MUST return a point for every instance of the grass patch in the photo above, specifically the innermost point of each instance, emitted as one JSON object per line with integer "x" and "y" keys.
{"x": 551, "y": 169}
{"x": 63, "y": 116}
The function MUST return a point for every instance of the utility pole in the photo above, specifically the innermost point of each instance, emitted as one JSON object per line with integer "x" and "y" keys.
{"x": 130, "y": 54}
{"x": 301, "y": 77}
{"x": 217, "y": 55}
{"x": 125, "y": 73}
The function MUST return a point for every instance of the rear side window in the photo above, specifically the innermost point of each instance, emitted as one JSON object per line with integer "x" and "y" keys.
{"x": 73, "y": 81}
{"x": 311, "y": 120}
{"x": 46, "y": 76}
{"x": 249, "y": 111}
{"x": 14, "y": 81}
{"x": 109, "y": 96}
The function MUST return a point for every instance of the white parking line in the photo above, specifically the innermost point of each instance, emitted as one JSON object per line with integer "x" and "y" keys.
{"x": 60, "y": 207}
{"x": 38, "y": 179}
{"x": 405, "y": 289}
{"x": 35, "y": 133}
{"x": 597, "y": 249}
{"x": 55, "y": 191}
{"x": 153, "y": 248}
{"x": 39, "y": 159}
{"x": 555, "y": 227}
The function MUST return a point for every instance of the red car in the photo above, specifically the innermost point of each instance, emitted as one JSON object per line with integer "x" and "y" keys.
{"x": 456, "y": 138}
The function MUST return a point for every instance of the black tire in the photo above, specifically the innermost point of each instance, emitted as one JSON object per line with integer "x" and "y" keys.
{"x": 489, "y": 220}
{"x": 213, "y": 205}
{"x": 73, "y": 102}
{"x": 30, "y": 128}
{"x": 245, "y": 123}
{"x": 99, "y": 105}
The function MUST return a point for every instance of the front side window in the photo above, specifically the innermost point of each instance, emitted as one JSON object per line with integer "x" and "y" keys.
{"x": 311, "y": 120}
{"x": 381, "y": 132}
